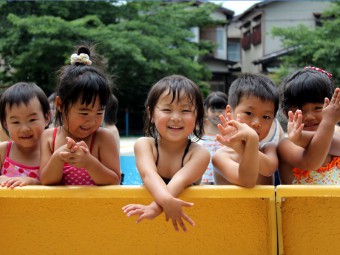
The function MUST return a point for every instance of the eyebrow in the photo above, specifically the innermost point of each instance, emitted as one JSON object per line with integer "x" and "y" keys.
{"x": 30, "y": 115}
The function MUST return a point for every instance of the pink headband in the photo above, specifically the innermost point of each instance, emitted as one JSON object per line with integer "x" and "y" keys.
{"x": 320, "y": 70}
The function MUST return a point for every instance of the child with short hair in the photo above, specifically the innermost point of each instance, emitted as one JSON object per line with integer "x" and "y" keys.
{"x": 310, "y": 153}
{"x": 77, "y": 152}
{"x": 24, "y": 114}
{"x": 169, "y": 161}
{"x": 214, "y": 106}
{"x": 252, "y": 105}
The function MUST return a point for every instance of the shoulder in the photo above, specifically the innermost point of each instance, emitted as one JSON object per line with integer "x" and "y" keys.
{"x": 3, "y": 149}
{"x": 199, "y": 150}
{"x": 144, "y": 142}
{"x": 47, "y": 134}
{"x": 104, "y": 137}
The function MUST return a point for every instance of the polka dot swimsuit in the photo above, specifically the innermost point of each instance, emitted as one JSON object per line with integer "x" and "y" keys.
{"x": 73, "y": 175}
{"x": 10, "y": 168}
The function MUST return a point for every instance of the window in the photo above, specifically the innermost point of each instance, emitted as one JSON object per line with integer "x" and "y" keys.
{"x": 220, "y": 38}
{"x": 234, "y": 50}
{"x": 256, "y": 35}
{"x": 246, "y": 40}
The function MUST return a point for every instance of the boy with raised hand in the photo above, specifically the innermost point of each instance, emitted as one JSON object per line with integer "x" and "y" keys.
{"x": 253, "y": 103}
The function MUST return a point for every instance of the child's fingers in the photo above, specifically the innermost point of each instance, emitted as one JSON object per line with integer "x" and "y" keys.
{"x": 187, "y": 204}
{"x": 174, "y": 223}
{"x": 188, "y": 219}
{"x": 182, "y": 225}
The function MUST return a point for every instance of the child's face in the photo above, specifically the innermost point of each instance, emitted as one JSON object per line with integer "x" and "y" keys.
{"x": 213, "y": 115}
{"x": 83, "y": 120}
{"x": 25, "y": 123}
{"x": 311, "y": 115}
{"x": 174, "y": 120}
{"x": 256, "y": 113}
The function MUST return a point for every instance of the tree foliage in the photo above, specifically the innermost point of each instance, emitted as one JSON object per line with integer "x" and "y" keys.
{"x": 140, "y": 42}
{"x": 314, "y": 47}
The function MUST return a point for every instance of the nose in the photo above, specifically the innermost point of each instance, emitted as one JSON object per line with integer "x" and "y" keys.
{"x": 175, "y": 116}
{"x": 307, "y": 115}
{"x": 255, "y": 123}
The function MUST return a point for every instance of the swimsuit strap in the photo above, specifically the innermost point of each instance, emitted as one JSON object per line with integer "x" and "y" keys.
{"x": 156, "y": 144}
{"x": 185, "y": 151}
{"x": 9, "y": 145}
{"x": 54, "y": 136}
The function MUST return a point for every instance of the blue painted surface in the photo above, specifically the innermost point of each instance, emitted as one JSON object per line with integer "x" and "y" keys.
{"x": 129, "y": 169}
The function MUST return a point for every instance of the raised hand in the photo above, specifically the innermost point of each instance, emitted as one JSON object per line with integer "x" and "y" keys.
{"x": 226, "y": 129}
{"x": 331, "y": 108}
{"x": 295, "y": 126}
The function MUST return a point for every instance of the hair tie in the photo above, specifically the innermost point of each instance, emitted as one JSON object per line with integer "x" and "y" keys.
{"x": 81, "y": 58}
{"x": 320, "y": 70}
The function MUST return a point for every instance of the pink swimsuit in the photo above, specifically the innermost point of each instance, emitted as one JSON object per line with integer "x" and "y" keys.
{"x": 73, "y": 175}
{"x": 11, "y": 168}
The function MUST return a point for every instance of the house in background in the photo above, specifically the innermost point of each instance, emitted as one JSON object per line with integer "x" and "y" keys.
{"x": 217, "y": 61}
{"x": 260, "y": 52}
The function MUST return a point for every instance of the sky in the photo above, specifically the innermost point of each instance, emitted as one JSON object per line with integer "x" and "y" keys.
{"x": 237, "y": 6}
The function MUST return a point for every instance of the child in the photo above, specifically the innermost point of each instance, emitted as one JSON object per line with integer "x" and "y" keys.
{"x": 253, "y": 102}
{"x": 310, "y": 153}
{"x": 214, "y": 106}
{"x": 24, "y": 114}
{"x": 77, "y": 152}
{"x": 169, "y": 161}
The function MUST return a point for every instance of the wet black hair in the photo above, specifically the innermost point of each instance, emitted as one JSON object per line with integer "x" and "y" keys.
{"x": 256, "y": 85}
{"x": 216, "y": 100}
{"x": 305, "y": 86}
{"x": 81, "y": 82}
{"x": 110, "y": 116}
{"x": 22, "y": 93}
{"x": 174, "y": 84}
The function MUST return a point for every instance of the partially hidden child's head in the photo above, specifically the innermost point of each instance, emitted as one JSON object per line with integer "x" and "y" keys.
{"x": 177, "y": 94}
{"x": 214, "y": 105}
{"x": 80, "y": 82}
{"x": 255, "y": 99}
{"x": 304, "y": 86}
{"x": 24, "y": 102}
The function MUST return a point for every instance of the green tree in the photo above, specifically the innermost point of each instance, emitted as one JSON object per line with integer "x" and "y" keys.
{"x": 140, "y": 42}
{"x": 317, "y": 47}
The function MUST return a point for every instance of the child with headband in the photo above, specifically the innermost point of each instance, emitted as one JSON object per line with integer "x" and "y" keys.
{"x": 77, "y": 151}
{"x": 310, "y": 153}
{"x": 24, "y": 114}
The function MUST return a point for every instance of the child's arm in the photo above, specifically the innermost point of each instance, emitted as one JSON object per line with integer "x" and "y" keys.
{"x": 51, "y": 164}
{"x": 268, "y": 159}
{"x": 105, "y": 171}
{"x": 165, "y": 196}
{"x": 238, "y": 164}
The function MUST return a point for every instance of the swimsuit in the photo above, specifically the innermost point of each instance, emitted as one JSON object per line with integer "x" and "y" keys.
{"x": 73, "y": 175}
{"x": 10, "y": 168}
{"x": 209, "y": 142}
{"x": 167, "y": 180}
{"x": 326, "y": 175}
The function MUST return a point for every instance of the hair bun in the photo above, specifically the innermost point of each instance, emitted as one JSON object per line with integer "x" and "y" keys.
{"x": 85, "y": 50}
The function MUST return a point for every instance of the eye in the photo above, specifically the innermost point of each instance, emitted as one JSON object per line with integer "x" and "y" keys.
{"x": 15, "y": 122}
{"x": 100, "y": 113}
{"x": 267, "y": 117}
{"x": 166, "y": 110}
{"x": 248, "y": 113}
{"x": 83, "y": 113}
{"x": 186, "y": 110}
{"x": 32, "y": 120}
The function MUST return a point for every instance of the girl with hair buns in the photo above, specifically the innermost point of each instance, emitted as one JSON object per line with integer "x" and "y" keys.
{"x": 76, "y": 151}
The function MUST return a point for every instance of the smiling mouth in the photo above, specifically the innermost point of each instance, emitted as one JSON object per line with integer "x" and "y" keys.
{"x": 26, "y": 137}
{"x": 85, "y": 128}
{"x": 175, "y": 128}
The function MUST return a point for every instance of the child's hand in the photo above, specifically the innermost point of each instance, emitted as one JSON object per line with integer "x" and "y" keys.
{"x": 78, "y": 154}
{"x": 331, "y": 108}
{"x": 295, "y": 126}
{"x": 226, "y": 129}
{"x": 13, "y": 182}
{"x": 173, "y": 210}
{"x": 143, "y": 211}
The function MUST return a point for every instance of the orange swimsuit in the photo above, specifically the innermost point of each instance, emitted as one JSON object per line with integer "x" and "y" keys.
{"x": 326, "y": 175}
